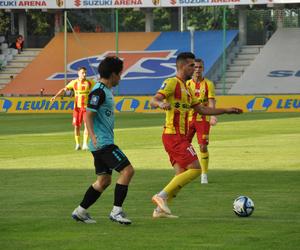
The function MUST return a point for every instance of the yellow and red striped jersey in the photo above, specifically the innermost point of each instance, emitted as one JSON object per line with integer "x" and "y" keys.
{"x": 178, "y": 95}
{"x": 203, "y": 91}
{"x": 81, "y": 91}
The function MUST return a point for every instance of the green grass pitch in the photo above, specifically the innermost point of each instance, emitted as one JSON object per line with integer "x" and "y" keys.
{"x": 42, "y": 179}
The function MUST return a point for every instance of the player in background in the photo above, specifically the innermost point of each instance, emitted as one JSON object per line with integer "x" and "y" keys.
{"x": 175, "y": 98}
{"x": 204, "y": 90}
{"x": 107, "y": 156}
{"x": 81, "y": 88}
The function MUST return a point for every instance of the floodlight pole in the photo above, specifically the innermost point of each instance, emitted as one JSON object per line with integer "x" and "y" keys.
{"x": 192, "y": 33}
{"x": 65, "y": 46}
{"x": 224, "y": 52}
{"x": 117, "y": 40}
{"x": 117, "y": 32}
{"x": 181, "y": 18}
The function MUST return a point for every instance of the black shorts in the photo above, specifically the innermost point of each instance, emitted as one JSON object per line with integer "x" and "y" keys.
{"x": 109, "y": 158}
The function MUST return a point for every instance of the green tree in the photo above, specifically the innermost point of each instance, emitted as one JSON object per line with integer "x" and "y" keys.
{"x": 40, "y": 23}
{"x": 5, "y": 22}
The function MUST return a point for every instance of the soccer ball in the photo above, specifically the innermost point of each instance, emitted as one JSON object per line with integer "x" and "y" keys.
{"x": 243, "y": 206}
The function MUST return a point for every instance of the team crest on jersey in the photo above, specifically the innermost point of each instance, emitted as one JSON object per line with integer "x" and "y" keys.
{"x": 94, "y": 100}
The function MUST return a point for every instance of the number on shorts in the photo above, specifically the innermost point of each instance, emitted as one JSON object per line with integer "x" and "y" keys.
{"x": 191, "y": 150}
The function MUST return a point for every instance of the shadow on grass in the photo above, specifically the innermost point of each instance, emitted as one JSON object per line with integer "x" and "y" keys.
{"x": 36, "y": 206}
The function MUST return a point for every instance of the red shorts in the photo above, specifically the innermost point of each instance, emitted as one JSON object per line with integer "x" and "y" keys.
{"x": 179, "y": 149}
{"x": 202, "y": 129}
{"x": 78, "y": 116}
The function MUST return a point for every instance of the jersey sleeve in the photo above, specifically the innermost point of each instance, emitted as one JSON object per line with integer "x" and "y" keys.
{"x": 96, "y": 98}
{"x": 167, "y": 88}
{"x": 70, "y": 85}
{"x": 211, "y": 90}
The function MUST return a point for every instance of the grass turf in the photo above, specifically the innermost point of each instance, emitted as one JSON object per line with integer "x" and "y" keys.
{"x": 42, "y": 179}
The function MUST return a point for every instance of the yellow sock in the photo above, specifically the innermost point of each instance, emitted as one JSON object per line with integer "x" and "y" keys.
{"x": 77, "y": 139}
{"x": 204, "y": 162}
{"x": 180, "y": 181}
{"x": 85, "y": 138}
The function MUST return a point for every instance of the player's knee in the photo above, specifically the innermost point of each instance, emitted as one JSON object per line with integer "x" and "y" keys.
{"x": 102, "y": 184}
{"x": 203, "y": 148}
{"x": 128, "y": 172}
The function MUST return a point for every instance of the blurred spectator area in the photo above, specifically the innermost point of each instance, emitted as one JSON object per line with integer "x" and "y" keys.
{"x": 6, "y": 54}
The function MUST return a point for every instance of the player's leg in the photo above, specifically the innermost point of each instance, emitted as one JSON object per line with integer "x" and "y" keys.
{"x": 204, "y": 158}
{"x": 118, "y": 161}
{"x": 76, "y": 125}
{"x": 77, "y": 137}
{"x": 191, "y": 131}
{"x": 203, "y": 129}
{"x": 95, "y": 190}
{"x": 186, "y": 164}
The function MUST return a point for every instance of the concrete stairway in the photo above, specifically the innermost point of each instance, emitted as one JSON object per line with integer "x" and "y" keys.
{"x": 236, "y": 67}
{"x": 16, "y": 65}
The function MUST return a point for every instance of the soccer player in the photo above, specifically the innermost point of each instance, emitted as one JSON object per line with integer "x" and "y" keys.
{"x": 81, "y": 87}
{"x": 204, "y": 90}
{"x": 176, "y": 99}
{"x": 107, "y": 156}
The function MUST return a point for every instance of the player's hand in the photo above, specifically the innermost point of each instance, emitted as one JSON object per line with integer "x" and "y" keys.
{"x": 94, "y": 141}
{"x": 165, "y": 106}
{"x": 234, "y": 111}
{"x": 52, "y": 99}
{"x": 213, "y": 120}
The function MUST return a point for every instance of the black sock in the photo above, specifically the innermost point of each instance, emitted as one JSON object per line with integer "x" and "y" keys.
{"x": 120, "y": 194}
{"x": 90, "y": 197}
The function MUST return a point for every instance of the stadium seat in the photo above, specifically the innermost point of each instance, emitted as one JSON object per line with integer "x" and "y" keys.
{"x": 5, "y": 51}
{"x": 2, "y": 39}
{"x": 4, "y": 46}
{"x": 13, "y": 51}
{"x": 9, "y": 57}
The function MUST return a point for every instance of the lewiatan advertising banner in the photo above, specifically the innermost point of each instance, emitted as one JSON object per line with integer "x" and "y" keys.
{"x": 141, "y": 104}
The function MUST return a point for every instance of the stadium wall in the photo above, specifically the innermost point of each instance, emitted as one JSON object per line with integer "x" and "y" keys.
{"x": 141, "y": 104}
{"x": 148, "y": 57}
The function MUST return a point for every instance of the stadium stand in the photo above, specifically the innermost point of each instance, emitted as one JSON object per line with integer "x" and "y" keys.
{"x": 149, "y": 59}
{"x": 208, "y": 45}
{"x": 276, "y": 69}
{"x": 6, "y": 56}
{"x": 238, "y": 60}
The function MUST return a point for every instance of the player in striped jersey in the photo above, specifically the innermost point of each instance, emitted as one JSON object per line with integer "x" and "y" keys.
{"x": 204, "y": 90}
{"x": 176, "y": 99}
{"x": 81, "y": 88}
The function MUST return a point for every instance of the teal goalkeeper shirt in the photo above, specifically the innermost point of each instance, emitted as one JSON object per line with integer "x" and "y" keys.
{"x": 101, "y": 101}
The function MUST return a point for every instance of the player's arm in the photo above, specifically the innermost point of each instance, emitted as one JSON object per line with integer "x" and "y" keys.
{"x": 205, "y": 110}
{"x": 90, "y": 126}
{"x": 95, "y": 100}
{"x": 58, "y": 93}
{"x": 157, "y": 101}
{"x": 212, "y": 104}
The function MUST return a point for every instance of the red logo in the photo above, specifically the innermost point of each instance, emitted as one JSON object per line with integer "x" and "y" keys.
{"x": 77, "y": 3}
{"x": 173, "y": 2}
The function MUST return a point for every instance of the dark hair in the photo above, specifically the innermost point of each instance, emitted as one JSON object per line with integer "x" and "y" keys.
{"x": 184, "y": 56}
{"x": 110, "y": 65}
{"x": 199, "y": 60}
{"x": 80, "y": 68}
